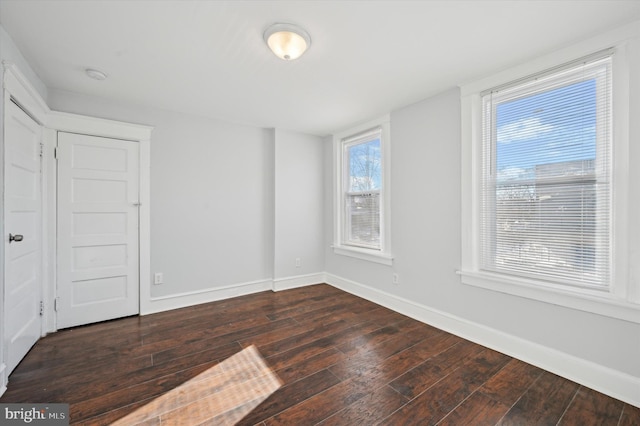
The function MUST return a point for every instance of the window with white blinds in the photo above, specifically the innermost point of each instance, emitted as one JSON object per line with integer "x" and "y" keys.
{"x": 362, "y": 182}
{"x": 546, "y": 176}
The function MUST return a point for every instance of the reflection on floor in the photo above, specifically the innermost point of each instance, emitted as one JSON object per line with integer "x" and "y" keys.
{"x": 222, "y": 395}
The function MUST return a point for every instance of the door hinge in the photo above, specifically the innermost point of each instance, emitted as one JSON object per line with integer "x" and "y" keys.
{"x": 55, "y": 153}
{"x": 56, "y": 304}
{"x": 41, "y": 308}
{"x": 41, "y": 149}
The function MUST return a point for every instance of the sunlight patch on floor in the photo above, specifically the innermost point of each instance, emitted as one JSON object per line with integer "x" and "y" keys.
{"x": 221, "y": 395}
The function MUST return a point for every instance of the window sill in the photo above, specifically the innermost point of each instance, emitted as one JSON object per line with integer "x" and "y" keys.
{"x": 364, "y": 254}
{"x": 592, "y": 301}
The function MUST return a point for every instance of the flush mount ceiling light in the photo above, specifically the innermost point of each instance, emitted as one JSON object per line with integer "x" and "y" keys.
{"x": 287, "y": 41}
{"x": 95, "y": 74}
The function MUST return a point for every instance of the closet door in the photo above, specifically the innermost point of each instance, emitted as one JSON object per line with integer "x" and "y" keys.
{"x": 98, "y": 257}
{"x": 23, "y": 239}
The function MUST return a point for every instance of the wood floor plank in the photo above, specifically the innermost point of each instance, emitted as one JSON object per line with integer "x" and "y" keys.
{"x": 436, "y": 402}
{"x": 321, "y": 405}
{"x": 511, "y": 382}
{"x": 204, "y": 329}
{"x": 290, "y": 395}
{"x": 270, "y": 336}
{"x": 201, "y": 345}
{"x": 477, "y": 410}
{"x": 86, "y": 389}
{"x": 77, "y": 350}
{"x": 59, "y": 376}
{"x": 329, "y": 315}
{"x": 305, "y": 335}
{"x": 377, "y": 336}
{"x": 419, "y": 379}
{"x": 310, "y": 365}
{"x": 342, "y": 359}
{"x": 630, "y": 416}
{"x": 543, "y": 403}
{"x": 591, "y": 407}
{"x": 368, "y": 410}
{"x": 111, "y": 416}
{"x": 317, "y": 340}
{"x": 227, "y": 391}
{"x": 313, "y": 308}
{"x": 300, "y": 353}
{"x": 360, "y": 381}
{"x": 389, "y": 351}
{"x": 125, "y": 396}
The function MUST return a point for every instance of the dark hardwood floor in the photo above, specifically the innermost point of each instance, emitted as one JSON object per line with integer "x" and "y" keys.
{"x": 341, "y": 359}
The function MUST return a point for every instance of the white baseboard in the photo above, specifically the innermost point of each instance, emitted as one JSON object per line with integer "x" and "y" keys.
{"x": 287, "y": 283}
{"x": 182, "y": 300}
{"x": 614, "y": 383}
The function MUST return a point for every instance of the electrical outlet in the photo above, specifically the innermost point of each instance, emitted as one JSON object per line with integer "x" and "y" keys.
{"x": 158, "y": 278}
{"x": 395, "y": 279}
{"x": 298, "y": 262}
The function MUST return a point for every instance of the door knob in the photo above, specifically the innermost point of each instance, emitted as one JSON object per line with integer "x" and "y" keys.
{"x": 17, "y": 238}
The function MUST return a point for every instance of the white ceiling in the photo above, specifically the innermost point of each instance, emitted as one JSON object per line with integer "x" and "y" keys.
{"x": 367, "y": 58}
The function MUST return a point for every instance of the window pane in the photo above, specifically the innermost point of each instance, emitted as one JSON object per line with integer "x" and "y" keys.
{"x": 546, "y": 203}
{"x": 547, "y": 227}
{"x": 363, "y": 217}
{"x": 364, "y": 166}
{"x": 362, "y": 192}
{"x": 554, "y": 127}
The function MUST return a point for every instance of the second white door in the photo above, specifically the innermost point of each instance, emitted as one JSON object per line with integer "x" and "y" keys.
{"x": 97, "y": 215}
{"x": 22, "y": 245}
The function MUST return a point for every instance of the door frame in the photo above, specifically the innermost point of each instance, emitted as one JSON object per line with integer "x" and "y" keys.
{"x": 73, "y": 123}
{"x": 18, "y": 88}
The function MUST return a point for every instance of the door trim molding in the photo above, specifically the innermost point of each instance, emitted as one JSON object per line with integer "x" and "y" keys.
{"x": 3, "y": 378}
{"x": 73, "y": 123}
{"x": 24, "y": 94}
{"x": 93, "y": 126}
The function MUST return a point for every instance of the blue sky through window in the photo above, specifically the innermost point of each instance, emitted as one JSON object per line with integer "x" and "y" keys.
{"x": 554, "y": 126}
{"x": 365, "y": 166}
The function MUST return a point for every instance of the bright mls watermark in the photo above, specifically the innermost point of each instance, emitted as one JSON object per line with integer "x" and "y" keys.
{"x": 34, "y": 414}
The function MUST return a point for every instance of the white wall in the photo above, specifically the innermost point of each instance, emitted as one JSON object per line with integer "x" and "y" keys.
{"x": 9, "y": 52}
{"x": 298, "y": 204}
{"x": 220, "y": 215}
{"x": 210, "y": 187}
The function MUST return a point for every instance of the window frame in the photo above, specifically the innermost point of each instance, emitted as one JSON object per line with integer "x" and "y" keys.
{"x": 341, "y": 141}
{"x": 598, "y": 68}
{"x": 347, "y": 194}
{"x": 622, "y": 299}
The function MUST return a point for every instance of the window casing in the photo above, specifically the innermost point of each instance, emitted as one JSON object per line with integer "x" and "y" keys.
{"x": 606, "y": 218}
{"x": 362, "y": 200}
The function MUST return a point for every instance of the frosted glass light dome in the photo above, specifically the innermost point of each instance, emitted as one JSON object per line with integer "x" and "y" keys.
{"x": 287, "y": 41}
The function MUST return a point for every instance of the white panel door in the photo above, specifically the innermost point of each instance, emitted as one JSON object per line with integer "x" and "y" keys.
{"x": 23, "y": 238}
{"x": 98, "y": 257}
